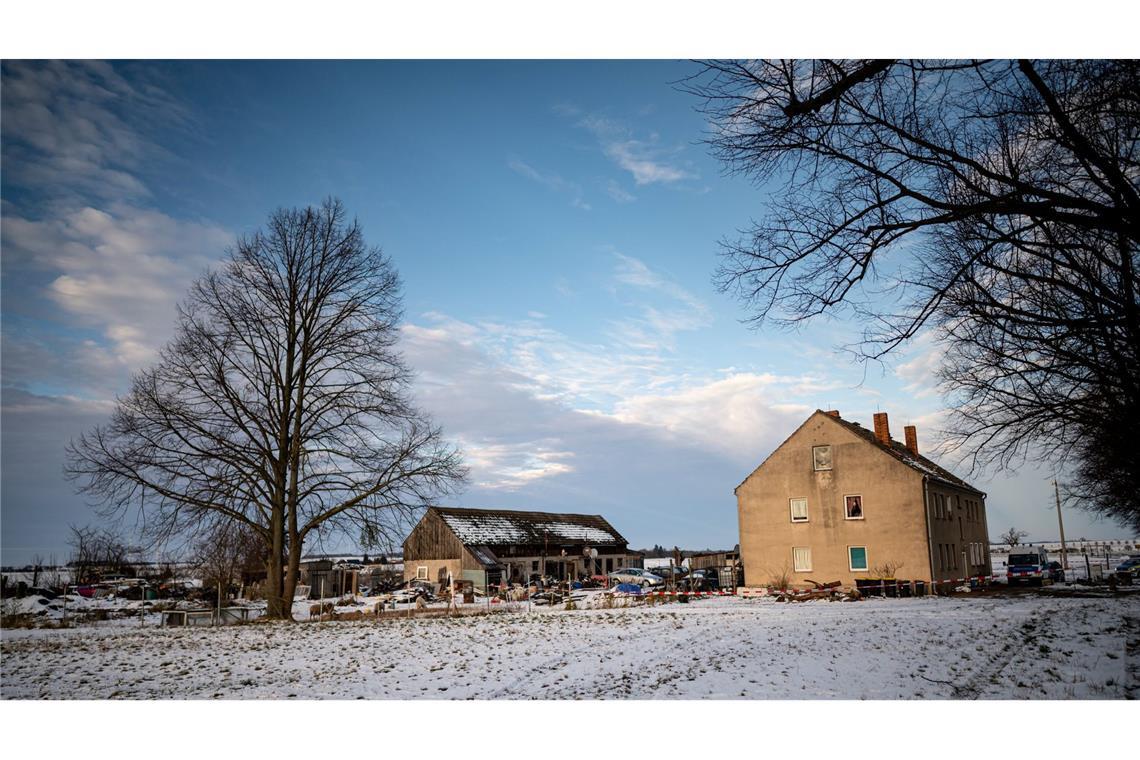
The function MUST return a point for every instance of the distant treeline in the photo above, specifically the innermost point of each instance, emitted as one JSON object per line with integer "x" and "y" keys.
{"x": 658, "y": 551}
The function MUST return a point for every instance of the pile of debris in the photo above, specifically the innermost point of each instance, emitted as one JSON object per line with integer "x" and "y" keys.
{"x": 831, "y": 591}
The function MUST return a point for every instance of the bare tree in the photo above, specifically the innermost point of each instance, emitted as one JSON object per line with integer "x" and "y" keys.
{"x": 97, "y": 551}
{"x": 1013, "y": 537}
{"x": 227, "y": 553}
{"x": 995, "y": 204}
{"x": 282, "y": 404}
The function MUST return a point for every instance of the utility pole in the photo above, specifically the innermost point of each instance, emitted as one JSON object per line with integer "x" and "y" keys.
{"x": 1060, "y": 525}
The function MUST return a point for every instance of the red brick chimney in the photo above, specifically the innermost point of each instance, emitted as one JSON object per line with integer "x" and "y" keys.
{"x": 832, "y": 412}
{"x": 882, "y": 429}
{"x": 911, "y": 439}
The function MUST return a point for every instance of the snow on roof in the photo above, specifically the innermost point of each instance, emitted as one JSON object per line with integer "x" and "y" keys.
{"x": 906, "y": 456}
{"x": 500, "y": 526}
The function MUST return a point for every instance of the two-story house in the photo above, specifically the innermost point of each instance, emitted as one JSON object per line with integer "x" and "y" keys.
{"x": 837, "y": 501}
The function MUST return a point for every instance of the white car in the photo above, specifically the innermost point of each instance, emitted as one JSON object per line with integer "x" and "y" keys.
{"x": 636, "y": 576}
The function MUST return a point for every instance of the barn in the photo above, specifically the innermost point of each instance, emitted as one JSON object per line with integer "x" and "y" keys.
{"x": 496, "y": 546}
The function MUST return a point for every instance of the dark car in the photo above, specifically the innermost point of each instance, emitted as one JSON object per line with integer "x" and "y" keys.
{"x": 671, "y": 574}
{"x": 1128, "y": 570}
{"x": 704, "y": 579}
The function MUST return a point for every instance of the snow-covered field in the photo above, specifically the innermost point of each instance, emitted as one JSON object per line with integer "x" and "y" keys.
{"x": 1027, "y": 646}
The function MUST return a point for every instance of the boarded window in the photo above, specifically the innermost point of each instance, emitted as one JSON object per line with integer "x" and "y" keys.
{"x": 857, "y": 557}
{"x": 821, "y": 457}
{"x": 799, "y": 510}
{"x": 801, "y": 558}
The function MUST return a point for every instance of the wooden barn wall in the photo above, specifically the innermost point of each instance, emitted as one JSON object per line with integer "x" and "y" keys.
{"x": 431, "y": 539}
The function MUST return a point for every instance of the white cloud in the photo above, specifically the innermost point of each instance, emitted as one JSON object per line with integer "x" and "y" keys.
{"x": 71, "y": 128}
{"x": 511, "y": 466}
{"x": 919, "y": 372}
{"x": 551, "y": 180}
{"x": 618, "y": 193}
{"x": 735, "y": 415}
{"x": 120, "y": 271}
{"x": 76, "y": 140}
{"x": 657, "y": 323}
{"x": 648, "y": 161}
{"x": 638, "y": 158}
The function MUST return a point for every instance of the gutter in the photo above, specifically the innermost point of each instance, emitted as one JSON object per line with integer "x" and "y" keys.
{"x": 926, "y": 519}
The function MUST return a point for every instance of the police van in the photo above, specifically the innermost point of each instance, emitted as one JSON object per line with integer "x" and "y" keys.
{"x": 1027, "y": 564}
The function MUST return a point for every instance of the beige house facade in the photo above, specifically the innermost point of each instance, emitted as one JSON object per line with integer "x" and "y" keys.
{"x": 837, "y": 501}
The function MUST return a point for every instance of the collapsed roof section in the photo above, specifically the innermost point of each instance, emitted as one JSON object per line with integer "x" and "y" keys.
{"x": 498, "y": 527}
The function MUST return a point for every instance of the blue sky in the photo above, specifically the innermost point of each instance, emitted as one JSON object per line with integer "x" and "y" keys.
{"x": 555, "y": 225}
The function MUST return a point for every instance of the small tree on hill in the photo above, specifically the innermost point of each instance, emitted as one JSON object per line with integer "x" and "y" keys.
{"x": 1013, "y": 537}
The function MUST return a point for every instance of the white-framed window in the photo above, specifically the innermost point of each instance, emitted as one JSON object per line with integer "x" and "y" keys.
{"x": 821, "y": 457}
{"x": 421, "y": 573}
{"x": 799, "y": 510}
{"x": 801, "y": 558}
{"x": 853, "y": 506}
{"x": 857, "y": 558}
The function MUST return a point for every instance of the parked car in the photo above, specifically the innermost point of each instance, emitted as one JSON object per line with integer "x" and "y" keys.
{"x": 704, "y": 579}
{"x": 1027, "y": 564}
{"x": 1128, "y": 570}
{"x": 635, "y": 575}
{"x": 671, "y": 573}
{"x": 1056, "y": 572}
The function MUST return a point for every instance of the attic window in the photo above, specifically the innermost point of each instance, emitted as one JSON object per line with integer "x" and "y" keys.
{"x": 821, "y": 457}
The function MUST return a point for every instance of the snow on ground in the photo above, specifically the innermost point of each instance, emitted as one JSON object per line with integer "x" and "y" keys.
{"x": 1020, "y": 646}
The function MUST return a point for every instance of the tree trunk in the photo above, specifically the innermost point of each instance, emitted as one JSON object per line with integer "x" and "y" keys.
{"x": 278, "y": 607}
{"x": 292, "y": 571}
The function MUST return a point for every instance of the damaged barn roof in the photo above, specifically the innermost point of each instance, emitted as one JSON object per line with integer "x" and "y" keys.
{"x": 491, "y": 527}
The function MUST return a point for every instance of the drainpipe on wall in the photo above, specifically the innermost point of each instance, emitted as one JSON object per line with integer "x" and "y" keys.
{"x": 929, "y": 537}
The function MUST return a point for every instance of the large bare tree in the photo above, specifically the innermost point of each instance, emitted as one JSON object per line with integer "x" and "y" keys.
{"x": 992, "y": 205}
{"x": 282, "y": 404}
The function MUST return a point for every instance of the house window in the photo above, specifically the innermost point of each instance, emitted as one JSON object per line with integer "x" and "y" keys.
{"x": 857, "y": 558}
{"x": 421, "y": 573}
{"x": 534, "y": 566}
{"x": 821, "y": 457}
{"x": 799, "y": 510}
{"x": 801, "y": 558}
{"x": 853, "y": 507}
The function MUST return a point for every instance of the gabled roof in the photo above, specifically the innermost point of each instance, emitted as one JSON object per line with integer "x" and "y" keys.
{"x": 494, "y": 527}
{"x": 897, "y": 450}
{"x": 900, "y": 452}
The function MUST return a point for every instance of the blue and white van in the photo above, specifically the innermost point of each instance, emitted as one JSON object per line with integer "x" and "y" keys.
{"x": 1027, "y": 564}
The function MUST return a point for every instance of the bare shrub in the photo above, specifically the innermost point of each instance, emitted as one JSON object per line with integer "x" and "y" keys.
{"x": 780, "y": 579}
{"x": 886, "y": 569}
